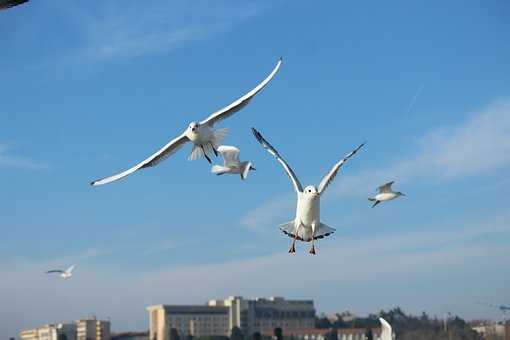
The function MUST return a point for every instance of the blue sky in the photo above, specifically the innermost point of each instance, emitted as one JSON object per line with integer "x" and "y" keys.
{"x": 90, "y": 89}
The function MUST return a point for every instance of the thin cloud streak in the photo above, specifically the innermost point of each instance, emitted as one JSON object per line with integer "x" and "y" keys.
{"x": 108, "y": 31}
{"x": 8, "y": 160}
{"x": 440, "y": 252}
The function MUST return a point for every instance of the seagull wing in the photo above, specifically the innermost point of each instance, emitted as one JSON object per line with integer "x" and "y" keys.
{"x": 265, "y": 144}
{"x": 241, "y": 102}
{"x": 54, "y": 271}
{"x": 4, "y": 4}
{"x": 230, "y": 154}
{"x": 159, "y": 156}
{"x": 330, "y": 176}
{"x": 70, "y": 269}
{"x": 386, "y": 187}
{"x": 386, "y": 332}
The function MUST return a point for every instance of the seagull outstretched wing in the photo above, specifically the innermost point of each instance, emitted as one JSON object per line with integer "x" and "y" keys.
{"x": 386, "y": 332}
{"x": 70, "y": 269}
{"x": 330, "y": 176}
{"x": 241, "y": 102}
{"x": 4, "y": 4}
{"x": 386, "y": 187}
{"x": 265, "y": 144}
{"x": 230, "y": 154}
{"x": 154, "y": 159}
{"x": 54, "y": 271}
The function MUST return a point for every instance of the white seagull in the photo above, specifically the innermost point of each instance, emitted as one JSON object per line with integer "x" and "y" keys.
{"x": 306, "y": 226}
{"x": 386, "y": 332}
{"x": 386, "y": 193}
{"x": 65, "y": 274}
{"x": 205, "y": 140}
{"x": 231, "y": 163}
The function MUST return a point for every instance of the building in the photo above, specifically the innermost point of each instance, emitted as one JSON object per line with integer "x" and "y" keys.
{"x": 322, "y": 334}
{"x": 50, "y": 332}
{"x": 219, "y": 317}
{"x": 131, "y": 336}
{"x": 92, "y": 329}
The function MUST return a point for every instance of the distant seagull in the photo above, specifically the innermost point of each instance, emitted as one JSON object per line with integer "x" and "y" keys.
{"x": 205, "y": 140}
{"x": 66, "y": 274}
{"x": 386, "y": 331}
{"x": 385, "y": 194}
{"x": 5, "y": 4}
{"x": 306, "y": 226}
{"x": 231, "y": 163}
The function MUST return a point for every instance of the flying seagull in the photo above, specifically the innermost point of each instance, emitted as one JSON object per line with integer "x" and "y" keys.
{"x": 4, "y": 4}
{"x": 306, "y": 226}
{"x": 66, "y": 274}
{"x": 205, "y": 140}
{"x": 386, "y": 332}
{"x": 386, "y": 193}
{"x": 231, "y": 163}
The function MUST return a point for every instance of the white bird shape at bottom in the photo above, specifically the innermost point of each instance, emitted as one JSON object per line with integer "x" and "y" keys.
{"x": 306, "y": 226}
{"x": 202, "y": 135}
{"x": 65, "y": 274}
{"x": 231, "y": 163}
{"x": 386, "y": 331}
{"x": 386, "y": 193}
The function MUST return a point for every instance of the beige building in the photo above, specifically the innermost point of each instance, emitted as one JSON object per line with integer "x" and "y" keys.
{"x": 50, "y": 332}
{"x": 218, "y": 317}
{"x": 92, "y": 329}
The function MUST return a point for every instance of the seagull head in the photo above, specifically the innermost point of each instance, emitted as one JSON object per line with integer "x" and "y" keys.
{"x": 311, "y": 191}
{"x": 194, "y": 126}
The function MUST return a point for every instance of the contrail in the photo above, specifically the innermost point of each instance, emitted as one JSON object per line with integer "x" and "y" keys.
{"x": 413, "y": 100}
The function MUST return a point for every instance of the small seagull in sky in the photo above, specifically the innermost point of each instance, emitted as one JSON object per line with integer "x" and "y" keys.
{"x": 231, "y": 163}
{"x": 306, "y": 226}
{"x": 386, "y": 331}
{"x": 386, "y": 193}
{"x": 65, "y": 274}
{"x": 205, "y": 140}
{"x": 5, "y": 4}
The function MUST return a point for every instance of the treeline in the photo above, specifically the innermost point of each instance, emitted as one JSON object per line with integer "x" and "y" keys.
{"x": 408, "y": 327}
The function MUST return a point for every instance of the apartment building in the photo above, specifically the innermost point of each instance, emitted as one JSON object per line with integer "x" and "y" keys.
{"x": 218, "y": 317}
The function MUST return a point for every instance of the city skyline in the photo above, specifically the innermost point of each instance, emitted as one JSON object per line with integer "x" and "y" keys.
{"x": 89, "y": 89}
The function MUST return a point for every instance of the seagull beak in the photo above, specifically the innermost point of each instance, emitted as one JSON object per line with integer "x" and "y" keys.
{"x": 252, "y": 168}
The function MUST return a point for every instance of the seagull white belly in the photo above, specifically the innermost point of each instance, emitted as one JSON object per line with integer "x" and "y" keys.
{"x": 387, "y": 196}
{"x": 308, "y": 211}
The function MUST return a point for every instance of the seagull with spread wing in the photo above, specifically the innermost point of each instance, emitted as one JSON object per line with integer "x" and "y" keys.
{"x": 231, "y": 163}
{"x": 306, "y": 226}
{"x": 386, "y": 193}
{"x": 204, "y": 138}
{"x": 65, "y": 274}
{"x": 386, "y": 331}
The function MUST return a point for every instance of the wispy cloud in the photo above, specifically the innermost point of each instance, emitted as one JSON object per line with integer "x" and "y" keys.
{"x": 413, "y": 258}
{"x": 9, "y": 160}
{"x": 129, "y": 29}
{"x": 476, "y": 146}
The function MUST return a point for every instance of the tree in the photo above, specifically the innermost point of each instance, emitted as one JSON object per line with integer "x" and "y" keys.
{"x": 62, "y": 336}
{"x": 174, "y": 334}
{"x": 369, "y": 334}
{"x": 278, "y": 333}
{"x": 257, "y": 336}
{"x": 236, "y": 334}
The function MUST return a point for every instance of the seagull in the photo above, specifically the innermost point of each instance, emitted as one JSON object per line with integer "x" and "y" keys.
{"x": 65, "y": 274}
{"x": 231, "y": 163}
{"x": 306, "y": 226}
{"x": 5, "y": 4}
{"x": 386, "y": 332}
{"x": 205, "y": 140}
{"x": 386, "y": 193}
